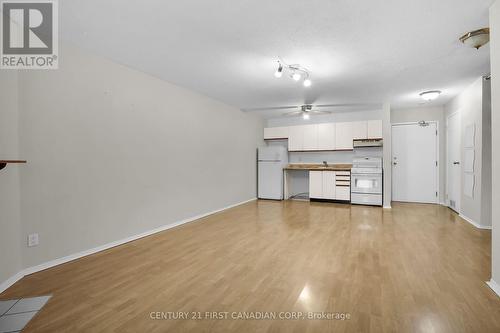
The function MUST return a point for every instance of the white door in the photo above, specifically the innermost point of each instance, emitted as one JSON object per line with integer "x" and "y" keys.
{"x": 270, "y": 181}
{"x": 326, "y": 136}
{"x": 453, "y": 168}
{"x": 271, "y": 133}
{"x": 310, "y": 137}
{"x": 329, "y": 185}
{"x": 414, "y": 163}
{"x": 316, "y": 184}
{"x": 296, "y": 138}
{"x": 359, "y": 130}
{"x": 343, "y": 136}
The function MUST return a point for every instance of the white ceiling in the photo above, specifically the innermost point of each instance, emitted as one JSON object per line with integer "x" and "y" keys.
{"x": 365, "y": 51}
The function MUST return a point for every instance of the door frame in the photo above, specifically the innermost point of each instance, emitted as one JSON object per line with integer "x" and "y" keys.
{"x": 447, "y": 199}
{"x": 438, "y": 189}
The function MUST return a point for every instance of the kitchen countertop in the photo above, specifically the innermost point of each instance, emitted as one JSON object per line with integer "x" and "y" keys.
{"x": 319, "y": 167}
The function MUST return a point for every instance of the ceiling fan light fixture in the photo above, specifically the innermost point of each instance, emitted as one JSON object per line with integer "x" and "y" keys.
{"x": 279, "y": 71}
{"x": 307, "y": 83}
{"x": 430, "y": 95}
{"x": 306, "y": 116}
{"x": 476, "y": 38}
{"x": 296, "y": 76}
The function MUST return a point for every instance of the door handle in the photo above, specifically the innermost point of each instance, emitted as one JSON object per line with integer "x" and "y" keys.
{"x": 395, "y": 163}
{"x": 456, "y": 162}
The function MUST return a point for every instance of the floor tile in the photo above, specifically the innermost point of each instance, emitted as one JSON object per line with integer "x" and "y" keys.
{"x": 6, "y": 305}
{"x": 29, "y": 304}
{"x": 15, "y": 322}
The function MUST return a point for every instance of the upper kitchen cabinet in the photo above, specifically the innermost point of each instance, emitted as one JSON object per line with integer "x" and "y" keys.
{"x": 275, "y": 133}
{"x": 296, "y": 138}
{"x": 343, "y": 136}
{"x": 310, "y": 137}
{"x": 326, "y": 136}
{"x": 359, "y": 130}
{"x": 374, "y": 129}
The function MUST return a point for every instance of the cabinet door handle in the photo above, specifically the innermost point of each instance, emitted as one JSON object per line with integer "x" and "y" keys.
{"x": 456, "y": 162}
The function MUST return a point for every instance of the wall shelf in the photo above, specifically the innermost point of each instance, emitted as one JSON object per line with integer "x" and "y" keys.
{"x": 3, "y": 163}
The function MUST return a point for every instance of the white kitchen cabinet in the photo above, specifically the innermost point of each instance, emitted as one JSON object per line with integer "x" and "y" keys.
{"x": 374, "y": 129}
{"x": 316, "y": 184}
{"x": 273, "y": 133}
{"x": 343, "y": 185}
{"x": 343, "y": 136}
{"x": 326, "y": 136}
{"x": 296, "y": 138}
{"x": 343, "y": 193}
{"x": 310, "y": 137}
{"x": 329, "y": 185}
{"x": 359, "y": 130}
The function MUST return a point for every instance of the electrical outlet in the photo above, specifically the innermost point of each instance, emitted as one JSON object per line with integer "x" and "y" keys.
{"x": 32, "y": 240}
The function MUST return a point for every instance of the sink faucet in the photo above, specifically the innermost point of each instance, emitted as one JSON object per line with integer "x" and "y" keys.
{"x": 325, "y": 164}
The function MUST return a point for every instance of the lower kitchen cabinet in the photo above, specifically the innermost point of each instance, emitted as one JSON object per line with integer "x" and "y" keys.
{"x": 316, "y": 184}
{"x": 330, "y": 185}
{"x": 343, "y": 193}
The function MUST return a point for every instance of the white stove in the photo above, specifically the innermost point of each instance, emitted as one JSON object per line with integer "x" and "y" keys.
{"x": 366, "y": 181}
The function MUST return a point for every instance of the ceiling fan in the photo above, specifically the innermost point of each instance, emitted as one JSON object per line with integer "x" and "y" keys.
{"x": 306, "y": 110}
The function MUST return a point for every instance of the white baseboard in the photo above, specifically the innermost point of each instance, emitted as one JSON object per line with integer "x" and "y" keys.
{"x": 10, "y": 281}
{"x": 494, "y": 286}
{"x": 30, "y": 270}
{"x": 474, "y": 223}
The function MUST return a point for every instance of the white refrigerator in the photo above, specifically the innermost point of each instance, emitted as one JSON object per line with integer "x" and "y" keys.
{"x": 271, "y": 161}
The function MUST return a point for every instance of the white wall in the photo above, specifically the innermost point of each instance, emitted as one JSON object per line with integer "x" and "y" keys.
{"x": 387, "y": 133}
{"x": 470, "y": 105}
{"x": 10, "y": 223}
{"x": 486, "y": 202}
{"x": 428, "y": 114}
{"x": 114, "y": 152}
{"x": 495, "y": 126}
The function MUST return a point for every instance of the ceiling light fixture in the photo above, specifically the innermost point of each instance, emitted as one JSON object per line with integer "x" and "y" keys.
{"x": 430, "y": 95}
{"x": 295, "y": 71}
{"x": 476, "y": 38}
{"x": 305, "y": 116}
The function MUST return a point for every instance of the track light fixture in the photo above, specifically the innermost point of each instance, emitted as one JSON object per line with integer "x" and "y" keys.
{"x": 295, "y": 71}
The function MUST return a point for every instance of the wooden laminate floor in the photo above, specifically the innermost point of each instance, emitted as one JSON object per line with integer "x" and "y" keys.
{"x": 415, "y": 268}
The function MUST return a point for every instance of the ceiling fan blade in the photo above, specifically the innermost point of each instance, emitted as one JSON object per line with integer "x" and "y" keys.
{"x": 293, "y": 113}
{"x": 271, "y": 108}
{"x": 341, "y": 105}
{"x": 316, "y": 112}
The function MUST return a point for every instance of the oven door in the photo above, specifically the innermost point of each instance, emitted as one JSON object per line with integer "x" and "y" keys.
{"x": 366, "y": 183}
